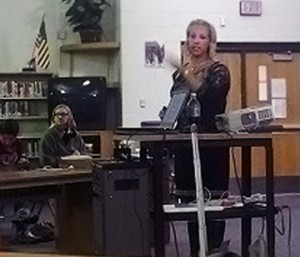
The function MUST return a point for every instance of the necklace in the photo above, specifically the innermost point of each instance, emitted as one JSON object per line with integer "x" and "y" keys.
{"x": 200, "y": 67}
{"x": 196, "y": 74}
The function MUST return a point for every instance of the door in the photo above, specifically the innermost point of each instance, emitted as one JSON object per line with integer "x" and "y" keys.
{"x": 233, "y": 62}
{"x": 286, "y": 145}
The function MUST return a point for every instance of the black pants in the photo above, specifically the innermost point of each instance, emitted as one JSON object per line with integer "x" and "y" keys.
{"x": 215, "y": 234}
{"x": 215, "y": 176}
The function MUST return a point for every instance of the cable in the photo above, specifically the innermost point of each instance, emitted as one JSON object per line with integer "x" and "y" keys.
{"x": 207, "y": 194}
{"x": 235, "y": 170}
{"x": 133, "y": 174}
{"x": 175, "y": 239}
{"x": 282, "y": 230}
{"x": 262, "y": 226}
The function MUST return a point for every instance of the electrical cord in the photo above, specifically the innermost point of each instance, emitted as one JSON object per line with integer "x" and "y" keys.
{"x": 175, "y": 239}
{"x": 261, "y": 204}
{"x": 134, "y": 174}
{"x": 282, "y": 229}
{"x": 235, "y": 170}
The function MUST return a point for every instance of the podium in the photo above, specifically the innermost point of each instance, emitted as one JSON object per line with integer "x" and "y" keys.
{"x": 158, "y": 142}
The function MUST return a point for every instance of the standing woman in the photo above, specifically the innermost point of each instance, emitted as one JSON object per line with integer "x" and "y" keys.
{"x": 61, "y": 138}
{"x": 210, "y": 80}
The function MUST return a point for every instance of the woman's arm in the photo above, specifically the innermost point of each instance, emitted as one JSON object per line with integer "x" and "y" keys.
{"x": 78, "y": 145}
{"x": 214, "y": 99}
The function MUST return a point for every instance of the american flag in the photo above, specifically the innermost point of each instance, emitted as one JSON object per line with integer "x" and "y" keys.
{"x": 41, "y": 51}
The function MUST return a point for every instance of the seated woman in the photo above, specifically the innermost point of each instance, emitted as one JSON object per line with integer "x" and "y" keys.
{"x": 11, "y": 156}
{"x": 61, "y": 138}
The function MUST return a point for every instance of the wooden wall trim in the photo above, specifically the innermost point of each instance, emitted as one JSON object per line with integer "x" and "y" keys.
{"x": 243, "y": 81}
{"x": 258, "y": 47}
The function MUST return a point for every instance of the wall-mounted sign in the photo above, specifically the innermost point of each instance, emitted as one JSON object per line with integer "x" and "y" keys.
{"x": 250, "y": 8}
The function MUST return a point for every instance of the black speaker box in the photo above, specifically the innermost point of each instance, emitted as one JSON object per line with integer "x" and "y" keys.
{"x": 121, "y": 209}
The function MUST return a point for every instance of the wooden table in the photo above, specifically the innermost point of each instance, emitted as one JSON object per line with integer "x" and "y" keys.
{"x": 11, "y": 254}
{"x": 36, "y": 178}
{"x": 73, "y": 191}
{"x": 158, "y": 142}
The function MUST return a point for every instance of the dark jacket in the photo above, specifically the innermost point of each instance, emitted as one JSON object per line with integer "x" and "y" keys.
{"x": 214, "y": 161}
{"x": 211, "y": 95}
{"x": 57, "y": 143}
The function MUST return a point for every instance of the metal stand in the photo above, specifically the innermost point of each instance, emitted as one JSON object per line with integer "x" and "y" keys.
{"x": 199, "y": 193}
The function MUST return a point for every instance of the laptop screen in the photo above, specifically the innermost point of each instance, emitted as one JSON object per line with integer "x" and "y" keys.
{"x": 169, "y": 121}
{"x": 173, "y": 111}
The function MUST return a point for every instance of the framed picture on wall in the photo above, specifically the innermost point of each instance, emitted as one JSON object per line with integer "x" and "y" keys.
{"x": 154, "y": 54}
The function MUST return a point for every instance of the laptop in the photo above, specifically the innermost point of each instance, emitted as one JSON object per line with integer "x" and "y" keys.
{"x": 169, "y": 121}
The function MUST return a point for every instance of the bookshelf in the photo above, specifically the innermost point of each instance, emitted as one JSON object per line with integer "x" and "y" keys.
{"x": 23, "y": 97}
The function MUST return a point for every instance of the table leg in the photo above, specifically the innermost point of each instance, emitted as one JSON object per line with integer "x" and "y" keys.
{"x": 270, "y": 202}
{"x": 158, "y": 218}
{"x": 74, "y": 220}
{"x": 246, "y": 191}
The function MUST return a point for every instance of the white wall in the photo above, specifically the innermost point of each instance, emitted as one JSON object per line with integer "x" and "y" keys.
{"x": 165, "y": 21}
{"x": 19, "y": 24}
{"x": 141, "y": 20}
{"x": 88, "y": 64}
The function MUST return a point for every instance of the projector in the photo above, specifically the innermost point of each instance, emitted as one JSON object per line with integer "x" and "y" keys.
{"x": 245, "y": 119}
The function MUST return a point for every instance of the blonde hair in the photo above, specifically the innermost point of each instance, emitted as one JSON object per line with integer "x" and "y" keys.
{"x": 211, "y": 34}
{"x": 71, "y": 122}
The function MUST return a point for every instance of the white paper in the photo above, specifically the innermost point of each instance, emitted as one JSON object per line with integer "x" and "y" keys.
{"x": 279, "y": 108}
{"x": 76, "y": 158}
{"x": 278, "y": 88}
{"x": 262, "y": 91}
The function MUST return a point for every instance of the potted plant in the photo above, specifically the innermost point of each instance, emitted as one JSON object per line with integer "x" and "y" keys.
{"x": 85, "y": 17}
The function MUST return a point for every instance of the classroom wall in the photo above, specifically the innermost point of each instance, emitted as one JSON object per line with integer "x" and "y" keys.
{"x": 145, "y": 90}
{"x": 19, "y": 24}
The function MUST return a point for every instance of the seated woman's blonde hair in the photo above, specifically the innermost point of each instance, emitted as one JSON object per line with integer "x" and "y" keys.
{"x": 71, "y": 122}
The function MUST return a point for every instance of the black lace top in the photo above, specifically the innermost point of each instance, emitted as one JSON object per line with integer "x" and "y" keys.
{"x": 211, "y": 95}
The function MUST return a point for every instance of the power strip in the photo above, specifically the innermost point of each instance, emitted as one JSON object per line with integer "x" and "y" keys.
{"x": 186, "y": 208}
